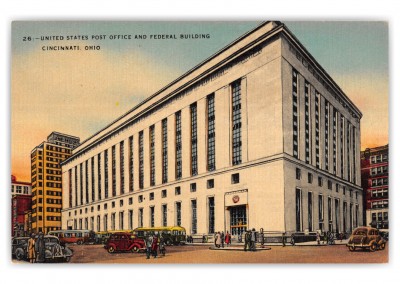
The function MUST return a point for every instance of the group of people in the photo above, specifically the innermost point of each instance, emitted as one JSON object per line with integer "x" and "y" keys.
{"x": 36, "y": 248}
{"x": 153, "y": 243}
{"x": 250, "y": 239}
{"x": 328, "y": 237}
{"x": 220, "y": 239}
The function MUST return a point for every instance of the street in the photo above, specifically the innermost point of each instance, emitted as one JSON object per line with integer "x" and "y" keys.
{"x": 202, "y": 254}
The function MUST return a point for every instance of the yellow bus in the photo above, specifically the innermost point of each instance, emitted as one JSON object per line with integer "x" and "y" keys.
{"x": 172, "y": 235}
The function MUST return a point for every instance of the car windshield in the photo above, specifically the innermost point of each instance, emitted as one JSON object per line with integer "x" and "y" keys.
{"x": 52, "y": 240}
{"x": 360, "y": 232}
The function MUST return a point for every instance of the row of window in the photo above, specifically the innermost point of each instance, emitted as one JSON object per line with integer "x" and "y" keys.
{"x": 236, "y": 153}
{"x": 379, "y": 170}
{"x": 378, "y": 158}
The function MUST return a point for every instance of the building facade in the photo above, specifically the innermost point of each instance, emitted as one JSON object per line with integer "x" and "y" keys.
{"x": 21, "y": 195}
{"x": 375, "y": 182}
{"x": 46, "y": 181}
{"x": 256, "y": 136}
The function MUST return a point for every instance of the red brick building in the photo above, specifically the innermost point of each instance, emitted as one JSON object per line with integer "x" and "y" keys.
{"x": 375, "y": 182}
{"x": 21, "y": 201}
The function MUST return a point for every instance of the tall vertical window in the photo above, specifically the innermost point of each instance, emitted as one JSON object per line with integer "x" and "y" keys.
{"x": 130, "y": 219}
{"x": 164, "y": 151}
{"x": 92, "y": 177}
{"x": 99, "y": 174}
{"x": 70, "y": 188}
{"x": 193, "y": 134}
{"x": 98, "y": 223}
{"x": 140, "y": 217}
{"x": 307, "y": 120}
{"x": 81, "y": 182}
{"x": 295, "y": 76}
{"x": 310, "y": 211}
{"x": 356, "y": 216}
{"x": 330, "y": 221}
{"x": 194, "y": 216}
{"x": 321, "y": 211}
{"x": 86, "y": 182}
{"x": 354, "y": 154}
{"x": 152, "y": 157}
{"x": 112, "y": 221}
{"x": 122, "y": 166}
{"x": 121, "y": 220}
{"x": 106, "y": 173}
{"x": 178, "y": 145}
{"x": 317, "y": 112}
{"x": 211, "y": 132}
{"x": 141, "y": 166}
{"x": 348, "y": 136}
{"x": 341, "y": 146}
{"x": 152, "y": 216}
{"x": 164, "y": 214}
{"x": 298, "y": 210}
{"x": 326, "y": 135}
{"x": 178, "y": 213}
{"x": 334, "y": 140}
{"x": 337, "y": 215}
{"x": 351, "y": 217}
{"x": 211, "y": 215}
{"x": 236, "y": 123}
{"x": 105, "y": 222}
{"x": 344, "y": 216}
{"x": 113, "y": 172}
{"x": 131, "y": 164}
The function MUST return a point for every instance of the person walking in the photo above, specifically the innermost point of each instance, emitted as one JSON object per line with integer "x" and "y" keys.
{"x": 247, "y": 239}
{"x": 227, "y": 238}
{"x": 154, "y": 245}
{"x": 31, "y": 249}
{"x": 318, "y": 238}
{"x": 40, "y": 249}
{"x": 149, "y": 243}
{"x": 222, "y": 239}
{"x": 218, "y": 240}
{"x": 253, "y": 240}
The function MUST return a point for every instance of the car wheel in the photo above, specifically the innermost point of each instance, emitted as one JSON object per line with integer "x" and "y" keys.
{"x": 19, "y": 254}
{"x": 135, "y": 249}
{"x": 382, "y": 246}
{"x": 373, "y": 247}
{"x": 68, "y": 259}
{"x": 111, "y": 249}
{"x": 79, "y": 242}
{"x": 352, "y": 248}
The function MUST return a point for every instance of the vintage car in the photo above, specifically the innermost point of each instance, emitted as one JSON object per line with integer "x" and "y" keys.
{"x": 124, "y": 242}
{"x": 366, "y": 238}
{"x": 53, "y": 250}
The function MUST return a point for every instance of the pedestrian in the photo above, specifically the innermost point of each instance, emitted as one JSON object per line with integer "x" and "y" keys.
{"x": 203, "y": 239}
{"x": 149, "y": 243}
{"x": 218, "y": 240}
{"x": 40, "y": 248}
{"x": 318, "y": 238}
{"x": 227, "y": 238}
{"x": 222, "y": 239}
{"x": 283, "y": 239}
{"x": 240, "y": 238}
{"x": 154, "y": 245}
{"x": 247, "y": 238}
{"x": 253, "y": 240}
{"x": 31, "y": 249}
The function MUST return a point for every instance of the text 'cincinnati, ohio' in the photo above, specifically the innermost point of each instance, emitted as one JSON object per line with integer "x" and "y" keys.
{"x": 69, "y": 47}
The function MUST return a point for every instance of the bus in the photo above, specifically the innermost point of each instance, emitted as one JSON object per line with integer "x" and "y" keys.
{"x": 79, "y": 237}
{"x": 173, "y": 235}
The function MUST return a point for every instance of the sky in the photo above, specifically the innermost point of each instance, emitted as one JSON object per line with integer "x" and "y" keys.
{"x": 80, "y": 92}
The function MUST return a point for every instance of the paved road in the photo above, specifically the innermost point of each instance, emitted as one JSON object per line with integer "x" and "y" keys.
{"x": 202, "y": 254}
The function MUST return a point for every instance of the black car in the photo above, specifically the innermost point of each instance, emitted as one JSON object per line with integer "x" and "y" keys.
{"x": 53, "y": 250}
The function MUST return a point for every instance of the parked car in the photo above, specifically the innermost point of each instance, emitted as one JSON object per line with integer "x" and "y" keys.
{"x": 124, "y": 242}
{"x": 53, "y": 250}
{"x": 366, "y": 238}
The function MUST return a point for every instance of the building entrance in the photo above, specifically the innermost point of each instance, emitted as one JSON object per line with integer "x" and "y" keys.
{"x": 238, "y": 219}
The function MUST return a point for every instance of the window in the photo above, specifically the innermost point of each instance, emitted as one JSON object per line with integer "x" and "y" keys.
{"x": 81, "y": 183}
{"x": 317, "y": 111}
{"x": 337, "y": 187}
{"x": 210, "y": 183}
{"x": 152, "y": 156}
{"x": 320, "y": 182}
{"x": 329, "y": 184}
{"x": 164, "y": 151}
{"x": 295, "y": 115}
{"x": 141, "y": 167}
{"x": 140, "y": 198}
{"x": 99, "y": 176}
{"x": 211, "y": 215}
{"x": 178, "y": 190}
{"x": 210, "y": 133}
{"x": 164, "y": 193}
{"x": 130, "y": 219}
{"x": 113, "y": 172}
{"x": 113, "y": 204}
{"x": 130, "y": 201}
{"x": 164, "y": 214}
{"x": 121, "y": 203}
{"x": 131, "y": 176}
{"x": 178, "y": 206}
{"x": 194, "y": 216}
{"x": 151, "y": 195}
{"x": 70, "y": 188}
{"x": 92, "y": 174}
{"x": 298, "y": 173}
{"x": 106, "y": 173}
{"x": 235, "y": 178}
{"x": 86, "y": 182}
{"x": 140, "y": 217}
{"x": 334, "y": 140}
{"x": 178, "y": 143}
{"x": 344, "y": 190}
{"x": 307, "y": 120}
{"x": 321, "y": 211}
{"x": 298, "y": 210}
{"x": 193, "y": 134}
{"x": 193, "y": 187}
{"x": 152, "y": 216}
{"x": 236, "y": 124}
{"x": 122, "y": 167}
{"x": 310, "y": 211}
{"x": 121, "y": 220}
{"x": 310, "y": 178}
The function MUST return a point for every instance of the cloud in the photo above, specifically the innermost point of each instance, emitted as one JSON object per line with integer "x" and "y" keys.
{"x": 76, "y": 92}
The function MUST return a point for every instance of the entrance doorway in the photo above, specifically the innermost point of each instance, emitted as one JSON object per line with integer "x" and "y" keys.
{"x": 238, "y": 219}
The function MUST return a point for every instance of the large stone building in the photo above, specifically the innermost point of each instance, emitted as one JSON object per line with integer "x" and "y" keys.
{"x": 21, "y": 195}
{"x": 375, "y": 182}
{"x": 46, "y": 181}
{"x": 256, "y": 136}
